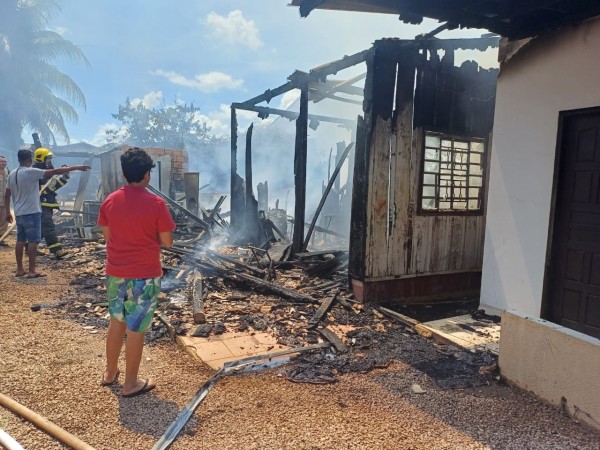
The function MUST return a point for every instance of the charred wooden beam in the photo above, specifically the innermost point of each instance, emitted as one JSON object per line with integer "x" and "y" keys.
{"x": 238, "y": 277}
{"x": 257, "y": 283}
{"x": 325, "y": 194}
{"x": 248, "y": 163}
{"x": 321, "y": 72}
{"x": 251, "y": 227}
{"x": 271, "y": 93}
{"x": 360, "y": 189}
{"x": 237, "y": 199}
{"x": 271, "y": 288}
{"x": 326, "y": 268}
{"x": 240, "y": 265}
{"x": 321, "y": 311}
{"x": 300, "y": 158}
{"x": 173, "y": 204}
{"x": 404, "y": 320}
{"x": 214, "y": 213}
{"x": 333, "y": 339}
{"x": 326, "y": 89}
{"x": 264, "y": 112}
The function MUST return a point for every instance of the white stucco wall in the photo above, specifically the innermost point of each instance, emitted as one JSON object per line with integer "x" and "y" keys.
{"x": 557, "y": 73}
{"x": 557, "y": 364}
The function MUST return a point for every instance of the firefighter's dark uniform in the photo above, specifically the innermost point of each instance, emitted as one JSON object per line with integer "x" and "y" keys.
{"x": 49, "y": 204}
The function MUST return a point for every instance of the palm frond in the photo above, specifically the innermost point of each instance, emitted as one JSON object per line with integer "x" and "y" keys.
{"x": 50, "y": 46}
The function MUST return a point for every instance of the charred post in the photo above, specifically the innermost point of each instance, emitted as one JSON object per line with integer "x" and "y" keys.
{"x": 251, "y": 227}
{"x": 300, "y": 158}
{"x": 237, "y": 190}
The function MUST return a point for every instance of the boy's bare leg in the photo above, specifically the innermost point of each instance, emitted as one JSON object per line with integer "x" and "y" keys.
{"x": 133, "y": 356}
{"x": 19, "y": 256}
{"x": 114, "y": 342}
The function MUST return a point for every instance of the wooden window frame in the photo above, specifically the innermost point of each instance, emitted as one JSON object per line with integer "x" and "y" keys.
{"x": 452, "y": 150}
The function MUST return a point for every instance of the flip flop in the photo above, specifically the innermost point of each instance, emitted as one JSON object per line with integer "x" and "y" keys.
{"x": 20, "y": 275}
{"x": 110, "y": 383}
{"x": 145, "y": 388}
{"x": 36, "y": 275}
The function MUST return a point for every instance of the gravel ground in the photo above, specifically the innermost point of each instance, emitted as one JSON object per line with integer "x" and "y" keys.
{"x": 53, "y": 366}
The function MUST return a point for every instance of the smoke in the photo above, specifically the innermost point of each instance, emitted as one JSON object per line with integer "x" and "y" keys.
{"x": 273, "y": 148}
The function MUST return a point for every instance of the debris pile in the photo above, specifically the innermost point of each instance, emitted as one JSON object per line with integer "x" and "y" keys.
{"x": 210, "y": 289}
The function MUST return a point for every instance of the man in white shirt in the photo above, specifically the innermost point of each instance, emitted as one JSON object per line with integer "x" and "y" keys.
{"x": 23, "y": 187}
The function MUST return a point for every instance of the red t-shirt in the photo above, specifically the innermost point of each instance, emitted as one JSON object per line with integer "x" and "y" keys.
{"x": 134, "y": 217}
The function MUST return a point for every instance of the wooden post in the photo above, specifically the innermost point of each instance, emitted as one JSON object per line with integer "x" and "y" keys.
{"x": 237, "y": 199}
{"x": 249, "y": 185}
{"x": 300, "y": 158}
{"x": 198, "y": 298}
{"x": 251, "y": 232}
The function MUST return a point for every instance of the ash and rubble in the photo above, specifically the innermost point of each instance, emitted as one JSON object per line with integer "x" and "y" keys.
{"x": 300, "y": 302}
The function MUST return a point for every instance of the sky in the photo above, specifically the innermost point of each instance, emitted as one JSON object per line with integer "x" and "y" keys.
{"x": 209, "y": 52}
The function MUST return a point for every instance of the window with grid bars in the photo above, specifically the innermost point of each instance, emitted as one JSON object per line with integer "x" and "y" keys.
{"x": 452, "y": 174}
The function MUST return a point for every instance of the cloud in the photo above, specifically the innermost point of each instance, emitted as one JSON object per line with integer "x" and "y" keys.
{"x": 234, "y": 29}
{"x": 217, "y": 127}
{"x": 208, "y": 82}
{"x": 150, "y": 100}
{"x": 100, "y": 137}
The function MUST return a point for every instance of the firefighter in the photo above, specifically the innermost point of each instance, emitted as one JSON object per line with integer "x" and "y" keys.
{"x": 42, "y": 159}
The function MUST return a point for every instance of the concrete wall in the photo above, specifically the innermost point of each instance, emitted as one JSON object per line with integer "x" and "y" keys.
{"x": 551, "y": 74}
{"x": 554, "y": 363}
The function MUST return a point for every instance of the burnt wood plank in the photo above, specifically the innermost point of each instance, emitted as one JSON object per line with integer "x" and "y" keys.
{"x": 334, "y": 339}
{"x": 321, "y": 311}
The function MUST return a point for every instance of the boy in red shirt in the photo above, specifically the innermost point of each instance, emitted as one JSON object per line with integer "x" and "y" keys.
{"x": 135, "y": 223}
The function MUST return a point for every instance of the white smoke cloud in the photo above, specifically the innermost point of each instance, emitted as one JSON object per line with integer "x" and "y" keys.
{"x": 208, "y": 82}
{"x": 234, "y": 29}
{"x": 288, "y": 98}
{"x": 150, "y": 100}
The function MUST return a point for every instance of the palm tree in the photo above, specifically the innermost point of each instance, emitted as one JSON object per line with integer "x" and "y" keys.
{"x": 34, "y": 94}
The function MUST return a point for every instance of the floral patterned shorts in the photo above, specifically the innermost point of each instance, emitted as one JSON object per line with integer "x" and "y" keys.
{"x": 133, "y": 300}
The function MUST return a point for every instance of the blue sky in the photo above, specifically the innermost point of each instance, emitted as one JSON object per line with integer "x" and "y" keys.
{"x": 209, "y": 52}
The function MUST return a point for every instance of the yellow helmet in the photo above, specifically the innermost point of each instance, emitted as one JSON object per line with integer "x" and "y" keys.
{"x": 41, "y": 154}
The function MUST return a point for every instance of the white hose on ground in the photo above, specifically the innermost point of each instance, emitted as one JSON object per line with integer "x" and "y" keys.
{"x": 8, "y": 442}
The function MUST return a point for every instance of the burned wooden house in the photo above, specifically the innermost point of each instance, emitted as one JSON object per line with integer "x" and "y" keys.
{"x": 541, "y": 268}
{"x": 418, "y": 208}
{"x": 419, "y": 166}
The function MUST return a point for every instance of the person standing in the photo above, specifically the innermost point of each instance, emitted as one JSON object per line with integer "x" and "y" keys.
{"x": 3, "y": 206}
{"x": 42, "y": 159}
{"x": 135, "y": 224}
{"x": 23, "y": 187}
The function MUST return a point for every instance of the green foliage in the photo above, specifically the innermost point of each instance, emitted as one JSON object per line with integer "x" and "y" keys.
{"x": 34, "y": 93}
{"x": 176, "y": 126}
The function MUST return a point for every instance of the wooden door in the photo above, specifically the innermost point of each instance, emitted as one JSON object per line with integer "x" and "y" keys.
{"x": 575, "y": 259}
